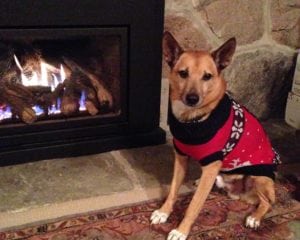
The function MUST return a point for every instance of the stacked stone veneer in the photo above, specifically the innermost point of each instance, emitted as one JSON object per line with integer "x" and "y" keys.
{"x": 267, "y": 33}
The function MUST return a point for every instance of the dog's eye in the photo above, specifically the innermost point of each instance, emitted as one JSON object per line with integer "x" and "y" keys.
{"x": 183, "y": 73}
{"x": 207, "y": 76}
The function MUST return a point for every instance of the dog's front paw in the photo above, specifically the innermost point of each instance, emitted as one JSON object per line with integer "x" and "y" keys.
{"x": 176, "y": 235}
{"x": 158, "y": 217}
{"x": 252, "y": 222}
{"x": 220, "y": 182}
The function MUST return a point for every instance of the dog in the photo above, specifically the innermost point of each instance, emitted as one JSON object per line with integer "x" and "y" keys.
{"x": 211, "y": 127}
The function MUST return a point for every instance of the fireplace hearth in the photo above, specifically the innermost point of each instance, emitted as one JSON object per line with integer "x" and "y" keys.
{"x": 78, "y": 77}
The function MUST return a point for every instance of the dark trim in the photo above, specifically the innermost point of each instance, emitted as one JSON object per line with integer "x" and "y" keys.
{"x": 266, "y": 170}
{"x": 81, "y": 146}
{"x": 211, "y": 158}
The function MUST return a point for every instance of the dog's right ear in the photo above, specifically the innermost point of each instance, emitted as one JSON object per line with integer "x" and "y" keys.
{"x": 171, "y": 49}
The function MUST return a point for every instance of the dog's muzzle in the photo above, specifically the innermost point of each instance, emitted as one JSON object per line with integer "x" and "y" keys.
{"x": 192, "y": 99}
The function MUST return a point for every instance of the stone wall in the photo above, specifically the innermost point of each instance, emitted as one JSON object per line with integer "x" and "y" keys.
{"x": 267, "y": 33}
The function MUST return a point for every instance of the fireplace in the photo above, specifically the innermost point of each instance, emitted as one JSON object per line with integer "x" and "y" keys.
{"x": 78, "y": 77}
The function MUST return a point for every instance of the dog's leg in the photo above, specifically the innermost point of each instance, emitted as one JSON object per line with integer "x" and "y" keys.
{"x": 180, "y": 167}
{"x": 265, "y": 191}
{"x": 208, "y": 177}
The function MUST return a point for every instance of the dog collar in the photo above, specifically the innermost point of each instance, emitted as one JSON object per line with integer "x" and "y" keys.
{"x": 200, "y": 130}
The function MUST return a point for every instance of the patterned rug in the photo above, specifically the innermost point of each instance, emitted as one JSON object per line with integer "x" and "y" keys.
{"x": 221, "y": 218}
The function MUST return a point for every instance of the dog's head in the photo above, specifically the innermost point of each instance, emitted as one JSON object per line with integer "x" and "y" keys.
{"x": 196, "y": 86}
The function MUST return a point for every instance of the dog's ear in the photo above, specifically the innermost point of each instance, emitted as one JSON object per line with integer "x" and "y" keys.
{"x": 223, "y": 55}
{"x": 171, "y": 49}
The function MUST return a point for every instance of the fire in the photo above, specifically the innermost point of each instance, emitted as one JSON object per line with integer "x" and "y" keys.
{"x": 48, "y": 75}
{"x": 5, "y": 113}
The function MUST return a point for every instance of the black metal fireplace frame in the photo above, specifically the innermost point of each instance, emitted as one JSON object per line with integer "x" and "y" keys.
{"x": 140, "y": 23}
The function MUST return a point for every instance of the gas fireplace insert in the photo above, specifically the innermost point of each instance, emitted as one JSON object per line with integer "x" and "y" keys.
{"x": 78, "y": 77}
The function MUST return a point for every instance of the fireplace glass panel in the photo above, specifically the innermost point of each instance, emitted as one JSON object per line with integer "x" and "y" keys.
{"x": 60, "y": 73}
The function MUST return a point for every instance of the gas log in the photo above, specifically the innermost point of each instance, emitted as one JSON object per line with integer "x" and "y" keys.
{"x": 78, "y": 80}
{"x": 20, "y": 99}
{"x": 97, "y": 95}
{"x": 79, "y": 83}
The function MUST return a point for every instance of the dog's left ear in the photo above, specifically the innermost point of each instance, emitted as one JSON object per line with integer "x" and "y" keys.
{"x": 223, "y": 55}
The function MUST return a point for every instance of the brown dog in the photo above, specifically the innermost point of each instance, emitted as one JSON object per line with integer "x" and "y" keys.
{"x": 209, "y": 126}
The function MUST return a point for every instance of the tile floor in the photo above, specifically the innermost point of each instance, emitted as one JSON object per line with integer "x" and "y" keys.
{"x": 53, "y": 186}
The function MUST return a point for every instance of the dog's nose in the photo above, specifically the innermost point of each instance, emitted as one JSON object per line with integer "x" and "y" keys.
{"x": 192, "y": 99}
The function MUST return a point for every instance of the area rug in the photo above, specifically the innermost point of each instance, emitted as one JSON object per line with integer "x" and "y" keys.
{"x": 221, "y": 218}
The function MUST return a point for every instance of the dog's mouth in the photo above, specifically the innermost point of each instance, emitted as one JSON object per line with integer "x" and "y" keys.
{"x": 198, "y": 119}
{"x": 187, "y": 112}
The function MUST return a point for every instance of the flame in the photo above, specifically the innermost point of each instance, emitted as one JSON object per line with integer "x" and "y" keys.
{"x": 5, "y": 113}
{"x": 44, "y": 75}
{"x": 38, "y": 110}
{"x": 55, "y": 82}
{"x": 48, "y": 76}
{"x": 17, "y": 62}
{"x": 82, "y": 101}
{"x": 62, "y": 73}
